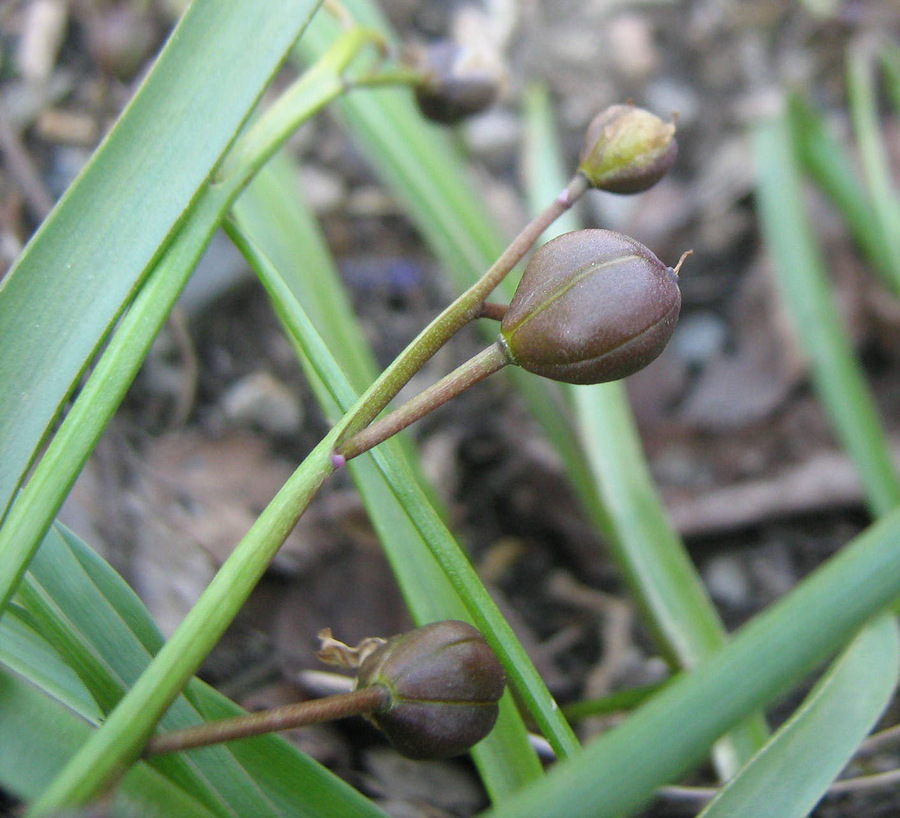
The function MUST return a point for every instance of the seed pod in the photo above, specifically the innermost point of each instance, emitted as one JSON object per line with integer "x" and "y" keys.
{"x": 592, "y": 306}
{"x": 627, "y": 149}
{"x": 445, "y": 683}
{"x": 456, "y": 82}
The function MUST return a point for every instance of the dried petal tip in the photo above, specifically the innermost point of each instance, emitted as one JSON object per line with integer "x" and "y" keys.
{"x": 627, "y": 149}
{"x": 445, "y": 683}
{"x": 456, "y": 82}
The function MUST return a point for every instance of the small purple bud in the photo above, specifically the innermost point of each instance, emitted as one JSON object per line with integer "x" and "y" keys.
{"x": 627, "y": 149}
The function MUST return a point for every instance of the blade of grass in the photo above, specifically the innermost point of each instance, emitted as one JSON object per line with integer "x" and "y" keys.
{"x": 73, "y": 279}
{"x": 272, "y": 214}
{"x": 618, "y": 773}
{"x": 827, "y": 161}
{"x": 890, "y": 63}
{"x": 643, "y": 544}
{"x": 793, "y": 771}
{"x": 873, "y": 153}
{"x": 53, "y": 733}
{"x": 803, "y": 282}
{"x": 523, "y": 676}
{"x": 93, "y": 619}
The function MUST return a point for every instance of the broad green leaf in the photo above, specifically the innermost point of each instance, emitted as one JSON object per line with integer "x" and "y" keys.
{"x": 791, "y": 773}
{"x": 80, "y": 269}
{"x": 662, "y": 740}
{"x": 37, "y": 735}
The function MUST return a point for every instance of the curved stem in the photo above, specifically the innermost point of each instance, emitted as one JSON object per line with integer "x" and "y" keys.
{"x": 301, "y": 714}
{"x": 476, "y": 369}
{"x": 465, "y": 308}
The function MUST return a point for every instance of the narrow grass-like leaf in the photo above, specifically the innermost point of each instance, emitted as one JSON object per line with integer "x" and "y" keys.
{"x": 272, "y": 214}
{"x": 861, "y": 88}
{"x": 54, "y": 732}
{"x": 75, "y": 276}
{"x": 618, "y": 773}
{"x": 793, "y": 771}
{"x": 890, "y": 63}
{"x": 79, "y": 432}
{"x": 803, "y": 281}
{"x": 645, "y": 547}
{"x": 828, "y": 163}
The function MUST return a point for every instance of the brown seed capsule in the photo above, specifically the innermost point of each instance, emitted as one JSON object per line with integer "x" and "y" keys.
{"x": 456, "y": 82}
{"x": 627, "y": 149}
{"x": 592, "y": 306}
{"x": 445, "y": 683}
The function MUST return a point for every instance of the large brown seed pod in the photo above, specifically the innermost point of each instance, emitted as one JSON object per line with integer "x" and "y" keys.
{"x": 592, "y": 306}
{"x": 445, "y": 683}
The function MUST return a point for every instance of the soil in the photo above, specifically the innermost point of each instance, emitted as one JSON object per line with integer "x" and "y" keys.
{"x": 744, "y": 458}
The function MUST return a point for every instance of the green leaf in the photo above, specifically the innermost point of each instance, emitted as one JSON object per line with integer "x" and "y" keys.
{"x": 829, "y": 164}
{"x": 804, "y": 285}
{"x": 81, "y": 268}
{"x": 665, "y": 738}
{"x": 872, "y": 140}
{"x": 792, "y": 772}
{"x": 91, "y": 617}
{"x": 38, "y": 733}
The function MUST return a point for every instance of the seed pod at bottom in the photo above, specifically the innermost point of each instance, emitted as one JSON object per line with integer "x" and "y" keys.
{"x": 592, "y": 306}
{"x": 445, "y": 684}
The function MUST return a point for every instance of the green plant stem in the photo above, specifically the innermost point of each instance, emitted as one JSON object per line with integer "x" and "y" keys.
{"x": 527, "y": 683}
{"x": 290, "y": 716}
{"x": 254, "y": 148}
{"x": 463, "y": 310}
{"x": 476, "y": 369}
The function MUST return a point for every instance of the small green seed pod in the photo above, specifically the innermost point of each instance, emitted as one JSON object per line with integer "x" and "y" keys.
{"x": 592, "y": 306}
{"x": 456, "y": 82}
{"x": 627, "y": 149}
{"x": 445, "y": 683}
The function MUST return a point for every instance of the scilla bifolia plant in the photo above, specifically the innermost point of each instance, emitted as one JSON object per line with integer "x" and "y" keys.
{"x": 592, "y": 306}
{"x": 629, "y": 144}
